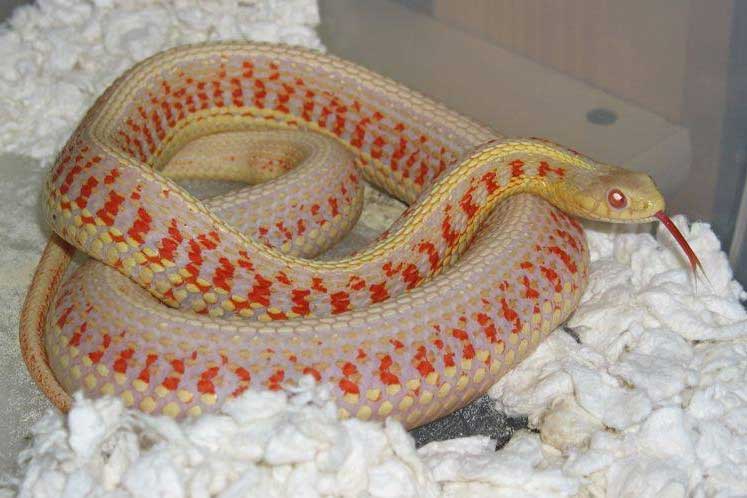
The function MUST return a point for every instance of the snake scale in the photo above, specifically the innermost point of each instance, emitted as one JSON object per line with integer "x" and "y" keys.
{"x": 185, "y": 304}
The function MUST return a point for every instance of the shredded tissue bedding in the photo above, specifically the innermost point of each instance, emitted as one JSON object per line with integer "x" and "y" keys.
{"x": 643, "y": 395}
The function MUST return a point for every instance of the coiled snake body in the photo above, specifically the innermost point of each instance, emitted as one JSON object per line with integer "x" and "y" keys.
{"x": 462, "y": 287}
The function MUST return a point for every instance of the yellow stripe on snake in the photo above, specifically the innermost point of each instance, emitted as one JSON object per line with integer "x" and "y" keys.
{"x": 185, "y": 304}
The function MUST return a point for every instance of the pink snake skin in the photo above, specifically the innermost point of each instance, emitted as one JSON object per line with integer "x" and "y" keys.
{"x": 185, "y": 304}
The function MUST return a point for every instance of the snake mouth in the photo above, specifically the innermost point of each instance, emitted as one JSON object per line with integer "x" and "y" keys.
{"x": 695, "y": 264}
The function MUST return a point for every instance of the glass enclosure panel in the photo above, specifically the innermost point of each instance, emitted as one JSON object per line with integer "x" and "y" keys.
{"x": 654, "y": 86}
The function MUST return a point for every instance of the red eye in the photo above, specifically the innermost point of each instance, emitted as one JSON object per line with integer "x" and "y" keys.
{"x": 617, "y": 199}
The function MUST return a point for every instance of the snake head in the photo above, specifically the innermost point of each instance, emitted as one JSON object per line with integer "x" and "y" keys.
{"x": 614, "y": 195}
{"x": 617, "y": 195}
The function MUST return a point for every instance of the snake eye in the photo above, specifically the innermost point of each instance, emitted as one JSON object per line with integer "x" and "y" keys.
{"x": 617, "y": 199}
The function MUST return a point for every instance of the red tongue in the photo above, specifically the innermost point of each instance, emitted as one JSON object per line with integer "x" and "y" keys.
{"x": 694, "y": 261}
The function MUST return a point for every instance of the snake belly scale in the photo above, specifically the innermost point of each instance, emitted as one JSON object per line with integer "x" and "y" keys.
{"x": 179, "y": 310}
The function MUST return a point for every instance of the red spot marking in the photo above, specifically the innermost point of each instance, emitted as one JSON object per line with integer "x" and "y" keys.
{"x": 275, "y": 380}
{"x": 210, "y": 373}
{"x": 348, "y": 387}
{"x": 425, "y": 367}
{"x": 96, "y": 356}
{"x": 62, "y": 320}
{"x": 422, "y": 173}
{"x": 194, "y": 253}
{"x": 529, "y": 291}
{"x": 205, "y": 386}
{"x": 178, "y": 366}
{"x": 317, "y": 284}
{"x": 144, "y": 375}
{"x": 244, "y": 261}
{"x": 460, "y": 334}
{"x": 111, "y": 177}
{"x": 286, "y": 233}
{"x": 411, "y": 276}
{"x": 449, "y": 359}
{"x": 274, "y": 73}
{"x": 248, "y": 69}
{"x": 468, "y": 352}
{"x": 340, "y": 302}
{"x": 391, "y": 270}
{"x": 313, "y": 372}
{"x": 259, "y": 94}
{"x": 209, "y": 240}
{"x": 397, "y": 344}
{"x": 385, "y": 375}
{"x": 237, "y": 94}
{"x": 85, "y": 192}
{"x": 150, "y": 359}
{"x": 333, "y": 206}
{"x": 570, "y": 239}
{"x": 511, "y": 315}
{"x": 120, "y": 365}
{"x": 356, "y": 283}
{"x": 430, "y": 249}
{"x": 140, "y": 226}
{"x": 552, "y": 277}
{"x": 224, "y": 274}
{"x": 243, "y": 374}
{"x": 489, "y": 180}
{"x": 277, "y": 316}
{"x": 545, "y": 168}
{"x": 282, "y": 278}
{"x": 111, "y": 207}
{"x": 399, "y": 153}
{"x": 157, "y": 124}
{"x": 378, "y": 292}
{"x": 75, "y": 339}
{"x": 488, "y": 327}
{"x": 171, "y": 383}
{"x": 260, "y": 292}
{"x": 526, "y": 265}
{"x": 516, "y": 167}
{"x": 564, "y": 257}
{"x": 300, "y": 301}
{"x": 467, "y": 204}
{"x": 447, "y": 232}
{"x": 218, "y": 93}
{"x": 349, "y": 369}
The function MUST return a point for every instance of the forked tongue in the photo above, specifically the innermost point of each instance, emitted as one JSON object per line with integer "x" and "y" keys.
{"x": 695, "y": 264}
